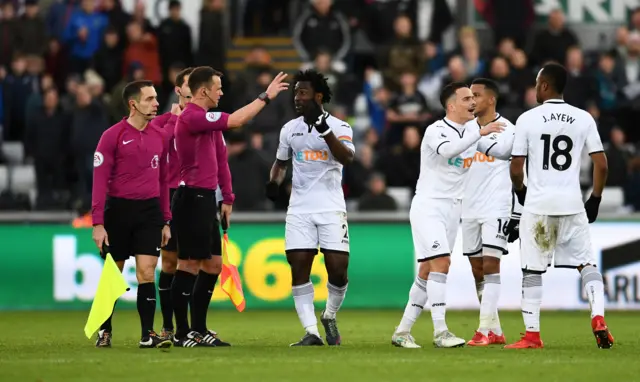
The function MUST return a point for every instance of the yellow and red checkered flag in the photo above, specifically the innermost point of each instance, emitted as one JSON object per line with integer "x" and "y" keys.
{"x": 229, "y": 277}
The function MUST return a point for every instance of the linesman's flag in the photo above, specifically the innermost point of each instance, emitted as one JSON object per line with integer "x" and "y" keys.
{"x": 111, "y": 286}
{"x": 229, "y": 277}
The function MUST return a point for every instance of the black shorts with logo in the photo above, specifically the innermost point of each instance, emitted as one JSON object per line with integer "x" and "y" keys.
{"x": 196, "y": 223}
{"x": 172, "y": 245}
{"x": 134, "y": 227}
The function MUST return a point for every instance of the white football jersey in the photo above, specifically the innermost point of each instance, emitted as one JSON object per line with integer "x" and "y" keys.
{"x": 317, "y": 175}
{"x": 446, "y": 155}
{"x": 552, "y": 137}
{"x": 488, "y": 190}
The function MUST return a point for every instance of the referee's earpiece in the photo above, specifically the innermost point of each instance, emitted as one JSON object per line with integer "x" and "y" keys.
{"x": 147, "y": 114}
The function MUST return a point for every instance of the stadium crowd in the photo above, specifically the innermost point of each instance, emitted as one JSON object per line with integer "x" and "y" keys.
{"x": 64, "y": 63}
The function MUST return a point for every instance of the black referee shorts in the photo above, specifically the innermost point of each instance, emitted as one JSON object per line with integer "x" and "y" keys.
{"x": 196, "y": 223}
{"x": 172, "y": 245}
{"x": 134, "y": 227}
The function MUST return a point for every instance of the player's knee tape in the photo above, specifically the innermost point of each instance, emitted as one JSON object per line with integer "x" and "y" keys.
{"x": 492, "y": 252}
{"x": 492, "y": 279}
{"x": 530, "y": 280}
{"x": 590, "y": 273}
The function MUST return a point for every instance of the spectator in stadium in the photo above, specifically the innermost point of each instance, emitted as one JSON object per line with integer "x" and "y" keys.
{"x": 403, "y": 53}
{"x": 135, "y": 72}
{"x": 174, "y": 39}
{"x": 606, "y": 97}
{"x": 143, "y": 48}
{"x": 620, "y": 46}
{"x": 56, "y": 63}
{"x": 619, "y": 156}
{"x": 321, "y": 27}
{"x": 474, "y": 64}
{"x": 358, "y": 173}
{"x": 118, "y": 20}
{"x": 88, "y": 121}
{"x": 83, "y": 34}
{"x": 401, "y": 163}
{"x": 257, "y": 61}
{"x": 249, "y": 188}
{"x": 509, "y": 105}
{"x": 407, "y": 107}
{"x": 34, "y": 103}
{"x": 522, "y": 76}
{"x": 108, "y": 61}
{"x": 552, "y": 43}
{"x": 9, "y": 33}
{"x": 212, "y": 36}
{"x": 58, "y": 17}
{"x": 377, "y": 199}
{"x": 32, "y": 31}
{"x": 45, "y": 140}
{"x": 628, "y": 81}
{"x": 508, "y": 20}
{"x": 139, "y": 16}
{"x": 581, "y": 88}
{"x": 19, "y": 86}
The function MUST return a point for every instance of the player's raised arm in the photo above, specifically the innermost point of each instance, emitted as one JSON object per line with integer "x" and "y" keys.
{"x": 103, "y": 162}
{"x": 498, "y": 145}
{"x": 600, "y": 171}
{"x": 279, "y": 168}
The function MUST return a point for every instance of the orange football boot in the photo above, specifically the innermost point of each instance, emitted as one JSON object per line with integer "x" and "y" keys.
{"x": 530, "y": 340}
{"x": 604, "y": 339}
{"x": 479, "y": 339}
{"x": 495, "y": 339}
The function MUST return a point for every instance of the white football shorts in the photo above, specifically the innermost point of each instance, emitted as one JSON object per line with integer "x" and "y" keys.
{"x": 484, "y": 233}
{"x": 434, "y": 226}
{"x": 565, "y": 240}
{"x": 305, "y": 232}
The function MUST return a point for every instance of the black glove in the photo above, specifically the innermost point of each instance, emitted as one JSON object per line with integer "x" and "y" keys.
{"x": 322, "y": 127}
{"x": 273, "y": 190}
{"x": 312, "y": 112}
{"x": 591, "y": 206}
{"x": 513, "y": 229}
{"x": 522, "y": 194}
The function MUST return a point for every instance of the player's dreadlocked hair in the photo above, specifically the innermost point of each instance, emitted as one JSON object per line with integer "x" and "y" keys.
{"x": 318, "y": 83}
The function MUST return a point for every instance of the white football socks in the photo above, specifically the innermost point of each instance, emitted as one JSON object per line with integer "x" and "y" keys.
{"x": 437, "y": 290}
{"x": 489, "y": 303}
{"x": 303, "y": 299}
{"x": 531, "y": 300}
{"x": 479, "y": 289}
{"x": 417, "y": 301}
{"x": 594, "y": 287}
{"x": 334, "y": 300}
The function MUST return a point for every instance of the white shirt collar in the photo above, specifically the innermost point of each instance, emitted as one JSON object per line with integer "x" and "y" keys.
{"x": 456, "y": 126}
{"x": 554, "y": 100}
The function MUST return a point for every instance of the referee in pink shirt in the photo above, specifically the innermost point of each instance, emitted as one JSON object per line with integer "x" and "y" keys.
{"x": 203, "y": 167}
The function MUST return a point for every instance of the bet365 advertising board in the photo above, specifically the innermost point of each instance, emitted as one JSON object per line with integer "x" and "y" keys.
{"x": 58, "y": 267}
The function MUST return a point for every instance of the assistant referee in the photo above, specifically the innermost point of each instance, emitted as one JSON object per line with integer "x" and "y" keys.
{"x": 200, "y": 149}
{"x": 130, "y": 201}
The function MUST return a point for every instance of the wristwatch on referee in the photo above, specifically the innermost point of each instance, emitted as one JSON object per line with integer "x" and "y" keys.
{"x": 264, "y": 97}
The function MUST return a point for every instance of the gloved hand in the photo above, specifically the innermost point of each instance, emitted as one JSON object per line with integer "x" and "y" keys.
{"x": 513, "y": 229}
{"x": 273, "y": 190}
{"x": 522, "y": 194}
{"x": 591, "y": 206}
{"x": 312, "y": 112}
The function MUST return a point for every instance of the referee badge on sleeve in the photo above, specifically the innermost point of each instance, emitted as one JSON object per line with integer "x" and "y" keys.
{"x": 98, "y": 159}
{"x": 213, "y": 116}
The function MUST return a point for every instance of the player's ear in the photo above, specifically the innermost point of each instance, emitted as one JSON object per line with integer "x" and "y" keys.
{"x": 177, "y": 91}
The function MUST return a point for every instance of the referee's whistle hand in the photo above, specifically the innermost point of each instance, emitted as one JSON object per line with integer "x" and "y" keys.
{"x": 100, "y": 236}
{"x": 166, "y": 235}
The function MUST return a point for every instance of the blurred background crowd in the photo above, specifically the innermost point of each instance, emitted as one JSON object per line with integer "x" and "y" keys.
{"x": 63, "y": 65}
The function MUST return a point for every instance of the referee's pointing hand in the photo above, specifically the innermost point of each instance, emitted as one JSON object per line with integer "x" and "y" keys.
{"x": 277, "y": 85}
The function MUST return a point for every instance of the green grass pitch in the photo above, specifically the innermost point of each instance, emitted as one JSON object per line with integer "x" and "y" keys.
{"x": 50, "y": 346}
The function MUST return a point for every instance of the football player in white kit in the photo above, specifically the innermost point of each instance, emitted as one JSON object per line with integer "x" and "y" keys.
{"x": 447, "y": 151}
{"x": 486, "y": 211}
{"x": 555, "y": 222}
{"x": 319, "y": 145}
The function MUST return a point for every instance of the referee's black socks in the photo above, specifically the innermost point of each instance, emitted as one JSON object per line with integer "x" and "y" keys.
{"x": 106, "y": 326}
{"x": 146, "y": 306}
{"x": 164, "y": 290}
{"x": 180, "y": 295}
{"x": 202, "y": 292}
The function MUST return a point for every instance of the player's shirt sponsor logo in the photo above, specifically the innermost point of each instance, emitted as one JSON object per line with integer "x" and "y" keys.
{"x": 311, "y": 155}
{"x": 460, "y": 162}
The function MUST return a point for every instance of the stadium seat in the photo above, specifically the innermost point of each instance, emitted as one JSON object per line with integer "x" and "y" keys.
{"x": 402, "y": 196}
{"x": 23, "y": 179}
{"x": 4, "y": 178}
{"x": 14, "y": 152}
